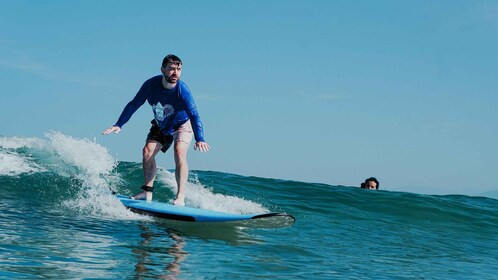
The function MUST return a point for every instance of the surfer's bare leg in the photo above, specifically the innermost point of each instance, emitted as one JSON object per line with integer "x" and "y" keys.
{"x": 149, "y": 153}
{"x": 181, "y": 171}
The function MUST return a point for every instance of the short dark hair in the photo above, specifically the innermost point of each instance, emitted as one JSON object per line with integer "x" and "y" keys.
{"x": 373, "y": 179}
{"x": 171, "y": 58}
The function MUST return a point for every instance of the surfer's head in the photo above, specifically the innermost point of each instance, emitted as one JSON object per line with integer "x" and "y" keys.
{"x": 171, "y": 59}
{"x": 171, "y": 68}
{"x": 371, "y": 184}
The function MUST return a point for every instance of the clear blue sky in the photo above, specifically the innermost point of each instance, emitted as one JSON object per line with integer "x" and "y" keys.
{"x": 315, "y": 91}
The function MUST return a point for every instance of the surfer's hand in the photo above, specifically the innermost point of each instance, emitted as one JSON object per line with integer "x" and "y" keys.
{"x": 115, "y": 129}
{"x": 201, "y": 146}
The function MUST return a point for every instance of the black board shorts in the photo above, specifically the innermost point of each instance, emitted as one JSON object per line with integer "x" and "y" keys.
{"x": 155, "y": 134}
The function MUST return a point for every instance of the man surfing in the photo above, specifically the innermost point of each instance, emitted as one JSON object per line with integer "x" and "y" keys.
{"x": 175, "y": 119}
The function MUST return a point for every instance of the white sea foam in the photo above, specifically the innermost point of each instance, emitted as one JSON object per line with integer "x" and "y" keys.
{"x": 13, "y": 164}
{"x": 200, "y": 196}
{"x": 99, "y": 203}
{"x": 89, "y": 157}
{"x": 20, "y": 142}
{"x": 82, "y": 159}
{"x": 93, "y": 166}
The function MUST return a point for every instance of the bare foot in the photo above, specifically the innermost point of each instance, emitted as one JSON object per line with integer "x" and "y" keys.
{"x": 143, "y": 196}
{"x": 179, "y": 202}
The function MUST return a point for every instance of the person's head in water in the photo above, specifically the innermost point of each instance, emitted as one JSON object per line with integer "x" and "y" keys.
{"x": 171, "y": 68}
{"x": 370, "y": 184}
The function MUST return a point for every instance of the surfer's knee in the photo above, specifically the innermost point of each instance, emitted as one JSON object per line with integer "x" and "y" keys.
{"x": 180, "y": 155}
{"x": 181, "y": 151}
{"x": 148, "y": 152}
{"x": 151, "y": 149}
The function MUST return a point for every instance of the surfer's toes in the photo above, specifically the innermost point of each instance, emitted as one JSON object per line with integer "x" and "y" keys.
{"x": 140, "y": 196}
{"x": 179, "y": 202}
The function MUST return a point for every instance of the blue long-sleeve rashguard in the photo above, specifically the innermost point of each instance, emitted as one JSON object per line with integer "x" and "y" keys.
{"x": 171, "y": 107}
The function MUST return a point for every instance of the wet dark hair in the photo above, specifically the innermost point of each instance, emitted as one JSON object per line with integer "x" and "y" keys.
{"x": 373, "y": 179}
{"x": 171, "y": 58}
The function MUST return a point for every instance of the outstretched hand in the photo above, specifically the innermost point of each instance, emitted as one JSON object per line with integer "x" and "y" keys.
{"x": 201, "y": 146}
{"x": 115, "y": 129}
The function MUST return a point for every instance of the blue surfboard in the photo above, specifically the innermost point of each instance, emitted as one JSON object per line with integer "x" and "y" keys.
{"x": 189, "y": 214}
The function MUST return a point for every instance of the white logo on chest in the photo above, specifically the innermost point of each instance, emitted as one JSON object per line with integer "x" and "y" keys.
{"x": 161, "y": 112}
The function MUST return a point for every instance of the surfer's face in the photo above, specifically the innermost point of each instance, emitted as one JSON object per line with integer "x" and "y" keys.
{"x": 371, "y": 185}
{"x": 172, "y": 72}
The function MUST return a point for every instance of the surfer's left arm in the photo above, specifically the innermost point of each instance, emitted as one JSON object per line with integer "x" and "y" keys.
{"x": 195, "y": 119}
{"x": 202, "y": 146}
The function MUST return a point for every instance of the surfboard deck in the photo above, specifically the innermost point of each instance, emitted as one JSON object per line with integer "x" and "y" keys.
{"x": 188, "y": 214}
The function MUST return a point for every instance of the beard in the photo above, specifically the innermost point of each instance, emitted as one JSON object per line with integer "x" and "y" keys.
{"x": 171, "y": 79}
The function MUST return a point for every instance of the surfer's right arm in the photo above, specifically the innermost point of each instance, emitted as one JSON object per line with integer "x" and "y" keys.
{"x": 129, "y": 110}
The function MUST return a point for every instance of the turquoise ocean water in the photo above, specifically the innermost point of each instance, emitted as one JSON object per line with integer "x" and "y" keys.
{"x": 58, "y": 221}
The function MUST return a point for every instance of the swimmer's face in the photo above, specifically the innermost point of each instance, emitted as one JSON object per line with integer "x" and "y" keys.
{"x": 370, "y": 185}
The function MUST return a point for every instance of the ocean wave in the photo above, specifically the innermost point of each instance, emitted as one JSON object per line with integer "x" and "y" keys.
{"x": 94, "y": 172}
